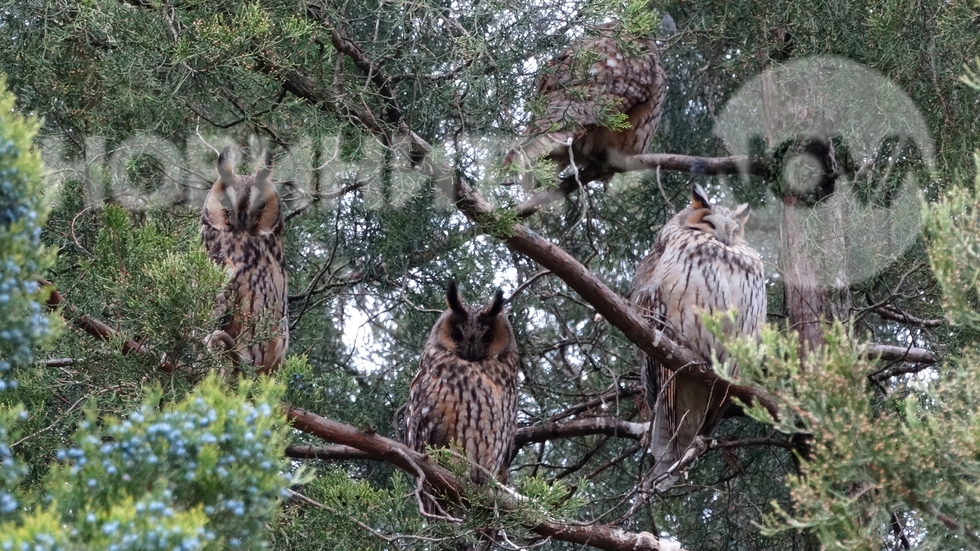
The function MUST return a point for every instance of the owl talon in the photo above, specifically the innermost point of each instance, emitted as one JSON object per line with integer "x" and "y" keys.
{"x": 219, "y": 340}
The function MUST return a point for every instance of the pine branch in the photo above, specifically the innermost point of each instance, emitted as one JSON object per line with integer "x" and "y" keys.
{"x": 103, "y": 332}
{"x": 595, "y": 535}
{"x": 610, "y": 426}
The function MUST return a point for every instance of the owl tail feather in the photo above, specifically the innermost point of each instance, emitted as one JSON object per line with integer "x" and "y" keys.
{"x": 686, "y": 411}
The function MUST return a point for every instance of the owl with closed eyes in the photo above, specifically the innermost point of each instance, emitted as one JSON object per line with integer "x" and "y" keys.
{"x": 242, "y": 229}
{"x": 464, "y": 395}
{"x": 700, "y": 264}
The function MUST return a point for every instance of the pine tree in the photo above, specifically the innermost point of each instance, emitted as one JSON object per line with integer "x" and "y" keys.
{"x": 206, "y": 473}
{"x": 387, "y": 120}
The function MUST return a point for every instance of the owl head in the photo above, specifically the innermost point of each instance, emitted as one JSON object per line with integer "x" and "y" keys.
{"x": 726, "y": 225}
{"x": 475, "y": 333}
{"x": 243, "y": 204}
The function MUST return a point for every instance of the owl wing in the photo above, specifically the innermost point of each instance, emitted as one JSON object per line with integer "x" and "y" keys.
{"x": 266, "y": 313}
{"x": 593, "y": 79}
{"x": 432, "y": 409}
{"x": 646, "y": 296}
{"x": 216, "y": 245}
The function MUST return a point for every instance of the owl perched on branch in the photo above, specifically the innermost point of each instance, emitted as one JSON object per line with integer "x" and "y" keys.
{"x": 700, "y": 263}
{"x": 604, "y": 96}
{"x": 242, "y": 225}
{"x": 465, "y": 393}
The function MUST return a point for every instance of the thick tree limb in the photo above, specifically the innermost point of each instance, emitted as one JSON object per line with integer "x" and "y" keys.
{"x": 335, "y": 452}
{"x": 610, "y": 426}
{"x": 595, "y": 535}
{"x": 707, "y": 166}
{"x": 807, "y": 302}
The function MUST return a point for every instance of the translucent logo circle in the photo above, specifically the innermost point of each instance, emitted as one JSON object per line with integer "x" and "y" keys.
{"x": 846, "y": 149}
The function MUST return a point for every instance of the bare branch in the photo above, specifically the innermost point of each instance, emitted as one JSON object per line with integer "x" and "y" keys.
{"x": 326, "y": 195}
{"x": 334, "y": 452}
{"x": 896, "y": 370}
{"x": 889, "y": 352}
{"x": 612, "y": 396}
{"x": 390, "y": 539}
{"x": 707, "y": 166}
{"x": 746, "y": 442}
{"x": 895, "y": 313}
{"x": 610, "y": 426}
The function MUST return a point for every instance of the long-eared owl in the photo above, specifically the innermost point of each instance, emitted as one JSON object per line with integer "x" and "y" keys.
{"x": 242, "y": 226}
{"x": 583, "y": 92}
{"x": 700, "y": 263}
{"x": 465, "y": 392}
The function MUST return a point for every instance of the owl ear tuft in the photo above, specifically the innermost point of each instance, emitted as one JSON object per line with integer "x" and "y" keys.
{"x": 453, "y": 300}
{"x": 496, "y": 307}
{"x": 262, "y": 176}
{"x": 742, "y": 213}
{"x": 699, "y": 199}
{"x": 226, "y": 165}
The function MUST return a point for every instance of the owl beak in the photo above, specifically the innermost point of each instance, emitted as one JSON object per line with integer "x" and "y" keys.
{"x": 243, "y": 208}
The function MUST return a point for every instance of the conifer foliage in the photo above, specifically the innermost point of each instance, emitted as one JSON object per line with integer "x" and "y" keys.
{"x": 855, "y": 424}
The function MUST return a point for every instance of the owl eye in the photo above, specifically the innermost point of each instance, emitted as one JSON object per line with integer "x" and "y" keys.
{"x": 487, "y": 337}
{"x": 710, "y": 224}
{"x": 457, "y": 334}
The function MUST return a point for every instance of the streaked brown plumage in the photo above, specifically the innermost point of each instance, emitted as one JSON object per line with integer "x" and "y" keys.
{"x": 700, "y": 262}
{"x": 242, "y": 227}
{"x": 582, "y": 88}
{"x": 465, "y": 392}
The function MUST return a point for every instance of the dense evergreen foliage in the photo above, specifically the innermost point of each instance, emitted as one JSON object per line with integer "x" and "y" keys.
{"x": 103, "y": 448}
